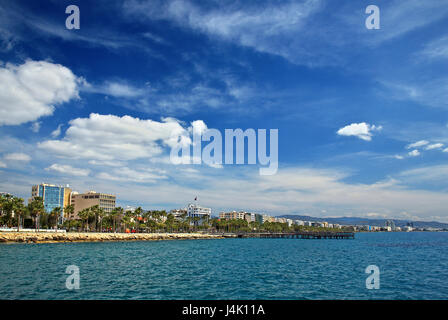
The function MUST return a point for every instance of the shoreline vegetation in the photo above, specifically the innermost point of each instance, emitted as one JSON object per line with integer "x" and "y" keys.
{"x": 14, "y": 213}
{"x": 47, "y": 237}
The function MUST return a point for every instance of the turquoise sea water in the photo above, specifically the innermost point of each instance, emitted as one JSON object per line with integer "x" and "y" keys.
{"x": 412, "y": 265}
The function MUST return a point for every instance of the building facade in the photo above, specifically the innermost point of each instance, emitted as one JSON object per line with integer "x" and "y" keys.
{"x": 81, "y": 201}
{"x": 196, "y": 211}
{"x": 232, "y": 215}
{"x": 53, "y": 196}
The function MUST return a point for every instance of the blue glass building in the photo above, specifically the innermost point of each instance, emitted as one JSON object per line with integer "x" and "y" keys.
{"x": 53, "y": 196}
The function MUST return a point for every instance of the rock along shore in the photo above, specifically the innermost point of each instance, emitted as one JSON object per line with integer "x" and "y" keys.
{"x": 36, "y": 237}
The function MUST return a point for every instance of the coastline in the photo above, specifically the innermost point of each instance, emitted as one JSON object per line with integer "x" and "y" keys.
{"x": 37, "y": 237}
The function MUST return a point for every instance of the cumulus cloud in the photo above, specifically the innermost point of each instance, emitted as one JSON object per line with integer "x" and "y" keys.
{"x": 361, "y": 130}
{"x": 417, "y": 144}
{"x": 414, "y": 153}
{"x": 110, "y": 138}
{"x": 31, "y": 90}
{"x": 67, "y": 169}
{"x": 17, "y": 157}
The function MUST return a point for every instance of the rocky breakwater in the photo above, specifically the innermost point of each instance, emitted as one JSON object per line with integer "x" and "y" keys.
{"x": 36, "y": 237}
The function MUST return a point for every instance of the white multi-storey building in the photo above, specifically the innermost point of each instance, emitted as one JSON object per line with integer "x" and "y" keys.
{"x": 196, "y": 211}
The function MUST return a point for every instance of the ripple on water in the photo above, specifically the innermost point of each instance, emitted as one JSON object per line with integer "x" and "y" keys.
{"x": 412, "y": 265}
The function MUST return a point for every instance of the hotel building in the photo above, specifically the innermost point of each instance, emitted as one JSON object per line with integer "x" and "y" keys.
{"x": 53, "y": 196}
{"x": 195, "y": 211}
{"x": 82, "y": 201}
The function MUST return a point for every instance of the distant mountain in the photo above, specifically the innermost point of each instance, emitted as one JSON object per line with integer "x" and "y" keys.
{"x": 371, "y": 222}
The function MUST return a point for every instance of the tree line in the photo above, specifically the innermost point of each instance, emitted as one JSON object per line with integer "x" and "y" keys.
{"x": 14, "y": 213}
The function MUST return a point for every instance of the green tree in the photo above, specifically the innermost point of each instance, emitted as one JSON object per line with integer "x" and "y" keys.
{"x": 69, "y": 210}
{"x": 36, "y": 209}
{"x": 100, "y": 213}
{"x": 85, "y": 215}
{"x": 54, "y": 216}
{"x": 117, "y": 216}
{"x": 7, "y": 208}
{"x": 20, "y": 211}
{"x": 137, "y": 214}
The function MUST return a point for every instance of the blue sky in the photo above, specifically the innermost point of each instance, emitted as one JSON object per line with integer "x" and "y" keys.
{"x": 361, "y": 114}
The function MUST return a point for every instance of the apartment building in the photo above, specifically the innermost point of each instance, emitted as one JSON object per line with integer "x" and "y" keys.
{"x": 89, "y": 199}
{"x": 232, "y": 215}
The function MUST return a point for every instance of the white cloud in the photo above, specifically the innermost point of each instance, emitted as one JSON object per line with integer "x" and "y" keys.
{"x": 67, "y": 169}
{"x": 107, "y": 163}
{"x": 198, "y": 127}
{"x": 3, "y": 165}
{"x": 115, "y": 89}
{"x": 57, "y": 132}
{"x": 111, "y": 138}
{"x": 267, "y": 28}
{"x": 426, "y": 174}
{"x": 398, "y": 157}
{"x": 294, "y": 30}
{"x": 361, "y": 130}
{"x": 305, "y": 190}
{"x": 35, "y": 127}
{"x": 17, "y": 157}
{"x": 434, "y": 146}
{"x": 445, "y": 150}
{"x": 417, "y": 144}
{"x": 31, "y": 90}
{"x": 414, "y": 153}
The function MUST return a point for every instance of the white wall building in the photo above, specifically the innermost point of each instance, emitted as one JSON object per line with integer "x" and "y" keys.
{"x": 196, "y": 211}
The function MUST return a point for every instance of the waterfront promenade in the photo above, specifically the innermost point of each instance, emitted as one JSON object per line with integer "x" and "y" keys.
{"x": 302, "y": 235}
{"x": 45, "y": 237}
{"x": 51, "y": 237}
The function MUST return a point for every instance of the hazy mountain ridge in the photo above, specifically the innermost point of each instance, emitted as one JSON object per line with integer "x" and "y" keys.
{"x": 369, "y": 221}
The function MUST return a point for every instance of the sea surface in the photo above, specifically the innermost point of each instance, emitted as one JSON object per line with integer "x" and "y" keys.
{"x": 412, "y": 265}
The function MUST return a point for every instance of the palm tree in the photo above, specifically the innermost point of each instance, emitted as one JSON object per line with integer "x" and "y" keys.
{"x": 85, "y": 214}
{"x": 170, "y": 222}
{"x": 7, "y": 208}
{"x": 36, "y": 209}
{"x": 100, "y": 214}
{"x": 54, "y": 216}
{"x": 94, "y": 213}
{"x": 19, "y": 211}
{"x": 126, "y": 220}
{"x": 151, "y": 224}
{"x": 117, "y": 215}
{"x": 137, "y": 215}
{"x": 69, "y": 210}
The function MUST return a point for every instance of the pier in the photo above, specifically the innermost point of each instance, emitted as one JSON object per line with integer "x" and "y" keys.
{"x": 301, "y": 235}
